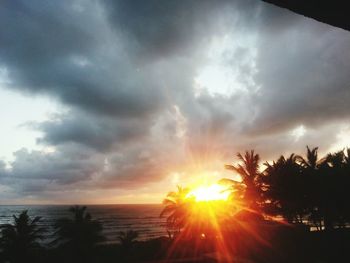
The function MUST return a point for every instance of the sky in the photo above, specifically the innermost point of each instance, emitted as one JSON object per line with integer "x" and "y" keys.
{"x": 120, "y": 101}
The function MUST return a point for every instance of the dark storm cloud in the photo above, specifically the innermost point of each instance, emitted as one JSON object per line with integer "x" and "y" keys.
{"x": 125, "y": 72}
{"x": 61, "y": 50}
{"x": 164, "y": 28}
{"x": 98, "y": 132}
{"x": 56, "y": 166}
{"x": 304, "y": 78}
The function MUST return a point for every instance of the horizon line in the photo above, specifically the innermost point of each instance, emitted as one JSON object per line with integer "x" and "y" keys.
{"x": 81, "y": 204}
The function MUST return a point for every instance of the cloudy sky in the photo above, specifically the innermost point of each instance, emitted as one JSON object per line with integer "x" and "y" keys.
{"x": 119, "y": 101}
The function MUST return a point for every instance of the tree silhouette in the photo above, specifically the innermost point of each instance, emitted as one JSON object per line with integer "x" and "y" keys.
{"x": 313, "y": 178}
{"x": 311, "y": 162}
{"x": 237, "y": 191}
{"x": 309, "y": 188}
{"x": 334, "y": 188}
{"x": 248, "y": 169}
{"x": 176, "y": 209}
{"x": 285, "y": 191}
{"x": 78, "y": 235}
{"x": 19, "y": 240}
{"x": 127, "y": 238}
{"x": 345, "y": 193}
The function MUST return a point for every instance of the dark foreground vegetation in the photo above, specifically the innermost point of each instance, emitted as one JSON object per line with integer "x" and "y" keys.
{"x": 268, "y": 218}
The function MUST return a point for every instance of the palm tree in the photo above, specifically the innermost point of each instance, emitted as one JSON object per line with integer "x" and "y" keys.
{"x": 313, "y": 171}
{"x": 248, "y": 169}
{"x": 20, "y": 239}
{"x": 284, "y": 188}
{"x": 236, "y": 189}
{"x": 127, "y": 238}
{"x": 311, "y": 162}
{"x": 345, "y": 186}
{"x": 176, "y": 209}
{"x": 80, "y": 234}
{"x": 334, "y": 189}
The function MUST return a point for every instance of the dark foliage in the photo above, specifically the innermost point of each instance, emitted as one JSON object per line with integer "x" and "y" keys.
{"x": 308, "y": 190}
{"x": 19, "y": 242}
{"x": 79, "y": 235}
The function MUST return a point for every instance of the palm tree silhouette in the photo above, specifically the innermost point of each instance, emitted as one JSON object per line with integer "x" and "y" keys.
{"x": 318, "y": 189}
{"x": 334, "y": 189}
{"x": 127, "y": 238}
{"x": 284, "y": 188}
{"x": 248, "y": 169}
{"x": 80, "y": 234}
{"x": 236, "y": 189}
{"x": 176, "y": 209}
{"x": 313, "y": 171}
{"x": 345, "y": 194}
{"x": 19, "y": 240}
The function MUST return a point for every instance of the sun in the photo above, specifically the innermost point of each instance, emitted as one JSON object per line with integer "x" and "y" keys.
{"x": 214, "y": 192}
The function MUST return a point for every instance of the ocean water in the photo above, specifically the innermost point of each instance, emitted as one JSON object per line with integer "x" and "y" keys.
{"x": 142, "y": 218}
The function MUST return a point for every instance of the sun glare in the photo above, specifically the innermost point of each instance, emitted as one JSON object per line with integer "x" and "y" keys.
{"x": 212, "y": 192}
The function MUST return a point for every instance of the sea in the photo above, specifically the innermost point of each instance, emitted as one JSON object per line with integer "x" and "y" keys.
{"x": 115, "y": 218}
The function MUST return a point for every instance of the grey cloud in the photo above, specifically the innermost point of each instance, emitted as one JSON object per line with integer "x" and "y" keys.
{"x": 98, "y": 132}
{"x": 66, "y": 165}
{"x": 165, "y": 28}
{"x": 56, "y": 50}
{"x": 303, "y": 76}
{"x": 121, "y": 68}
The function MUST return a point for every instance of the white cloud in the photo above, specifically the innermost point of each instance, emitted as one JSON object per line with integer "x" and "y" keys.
{"x": 298, "y": 132}
{"x": 17, "y": 112}
{"x": 228, "y": 66}
{"x": 342, "y": 139}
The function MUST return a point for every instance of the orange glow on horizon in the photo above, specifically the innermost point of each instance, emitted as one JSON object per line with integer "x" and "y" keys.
{"x": 214, "y": 218}
{"x": 208, "y": 206}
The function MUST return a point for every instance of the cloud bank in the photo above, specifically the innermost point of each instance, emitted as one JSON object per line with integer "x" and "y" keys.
{"x": 162, "y": 88}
